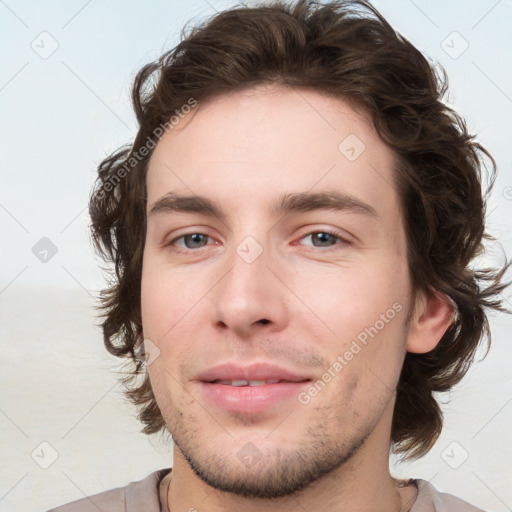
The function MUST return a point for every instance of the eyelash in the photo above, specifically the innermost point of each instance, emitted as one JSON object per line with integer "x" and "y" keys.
{"x": 332, "y": 232}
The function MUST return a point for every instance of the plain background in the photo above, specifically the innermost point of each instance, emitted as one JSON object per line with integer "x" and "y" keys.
{"x": 61, "y": 115}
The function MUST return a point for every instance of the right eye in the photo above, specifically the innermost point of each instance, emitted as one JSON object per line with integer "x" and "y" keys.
{"x": 191, "y": 242}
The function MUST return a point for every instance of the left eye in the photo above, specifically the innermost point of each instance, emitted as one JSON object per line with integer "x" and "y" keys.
{"x": 324, "y": 238}
{"x": 197, "y": 240}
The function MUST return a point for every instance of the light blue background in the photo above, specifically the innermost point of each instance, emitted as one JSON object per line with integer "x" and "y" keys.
{"x": 60, "y": 117}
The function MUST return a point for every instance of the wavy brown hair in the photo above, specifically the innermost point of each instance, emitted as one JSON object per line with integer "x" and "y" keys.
{"x": 347, "y": 50}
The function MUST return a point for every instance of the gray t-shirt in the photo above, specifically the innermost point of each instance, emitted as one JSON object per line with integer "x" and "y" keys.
{"x": 144, "y": 496}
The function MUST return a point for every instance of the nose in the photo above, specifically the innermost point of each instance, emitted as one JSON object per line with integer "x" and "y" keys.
{"x": 250, "y": 298}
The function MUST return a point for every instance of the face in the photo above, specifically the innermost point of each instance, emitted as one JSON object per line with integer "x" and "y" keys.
{"x": 275, "y": 306}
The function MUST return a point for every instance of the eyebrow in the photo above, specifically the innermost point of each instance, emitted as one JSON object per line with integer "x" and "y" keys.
{"x": 292, "y": 202}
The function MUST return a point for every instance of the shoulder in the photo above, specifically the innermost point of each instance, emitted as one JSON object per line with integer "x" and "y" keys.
{"x": 431, "y": 500}
{"x": 140, "y": 495}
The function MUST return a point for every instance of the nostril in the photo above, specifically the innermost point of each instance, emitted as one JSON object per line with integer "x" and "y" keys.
{"x": 264, "y": 321}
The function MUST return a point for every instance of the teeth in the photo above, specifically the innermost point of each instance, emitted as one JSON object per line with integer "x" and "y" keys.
{"x": 240, "y": 382}
{"x": 257, "y": 383}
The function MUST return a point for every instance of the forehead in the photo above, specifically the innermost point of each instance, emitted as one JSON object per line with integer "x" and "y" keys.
{"x": 249, "y": 147}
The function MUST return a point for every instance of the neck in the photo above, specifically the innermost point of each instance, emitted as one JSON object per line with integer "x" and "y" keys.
{"x": 362, "y": 483}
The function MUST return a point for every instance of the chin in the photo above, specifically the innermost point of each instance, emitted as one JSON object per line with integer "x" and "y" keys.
{"x": 270, "y": 473}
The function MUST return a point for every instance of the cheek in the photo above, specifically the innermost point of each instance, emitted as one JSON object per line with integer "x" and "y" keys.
{"x": 365, "y": 312}
{"x": 171, "y": 311}
{"x": 169, "y": 300}
{"x": 170, "y": 389}
{"x": 350, "y": 300}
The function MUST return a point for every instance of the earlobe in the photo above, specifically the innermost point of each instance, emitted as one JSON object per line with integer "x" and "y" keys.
{"x": 433, "y": 315}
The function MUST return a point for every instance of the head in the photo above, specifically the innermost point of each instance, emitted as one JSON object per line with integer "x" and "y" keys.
{"x": 295, "y": 121}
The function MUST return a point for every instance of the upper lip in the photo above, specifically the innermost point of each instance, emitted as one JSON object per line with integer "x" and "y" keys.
{"x": 255, "y": 371}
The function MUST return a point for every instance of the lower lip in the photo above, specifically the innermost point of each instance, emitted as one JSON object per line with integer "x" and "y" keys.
{"x": 250, "y": 399}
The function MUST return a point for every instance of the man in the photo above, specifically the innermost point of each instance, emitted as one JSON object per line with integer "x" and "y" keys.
{"x": 291, "y": 231}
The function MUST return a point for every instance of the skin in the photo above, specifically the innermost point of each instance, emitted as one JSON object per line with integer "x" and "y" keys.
{"x": 315, "y": 295}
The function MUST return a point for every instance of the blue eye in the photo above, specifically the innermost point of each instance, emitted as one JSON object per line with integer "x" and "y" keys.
{"x": 324, "y": 237}
{"x": 320, "y": 239}
{"x": 194, "y": 239}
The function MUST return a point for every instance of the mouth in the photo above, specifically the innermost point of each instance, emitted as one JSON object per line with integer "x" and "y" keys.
{"x": 241, "y": 382}
{"x": 250, "y": 389}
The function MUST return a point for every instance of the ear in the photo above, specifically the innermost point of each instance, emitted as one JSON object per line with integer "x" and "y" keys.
{"x": 433, "y": 314}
